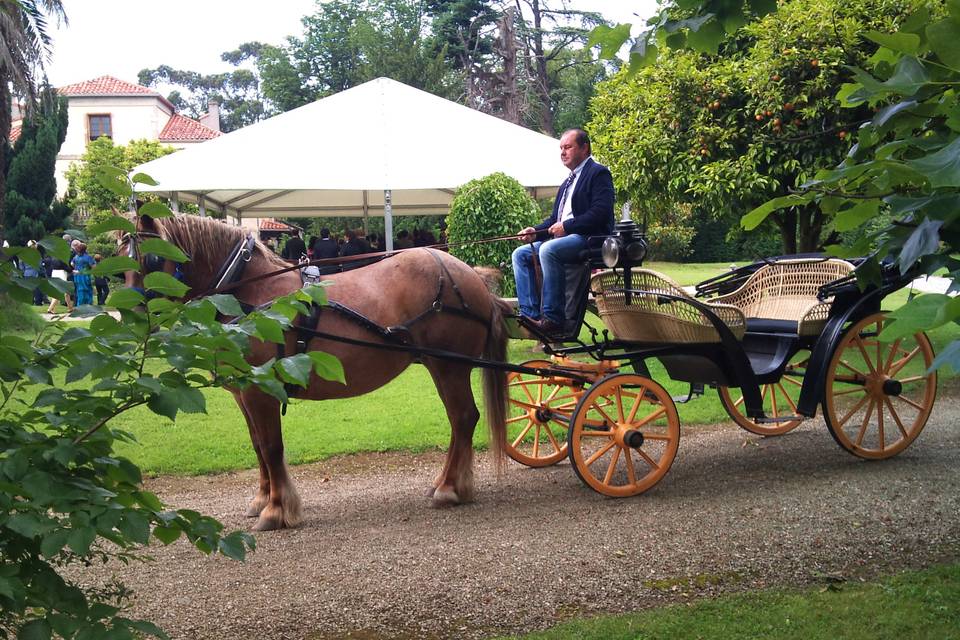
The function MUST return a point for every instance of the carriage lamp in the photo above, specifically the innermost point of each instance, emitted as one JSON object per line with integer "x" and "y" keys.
{"x": 626, "y": 247}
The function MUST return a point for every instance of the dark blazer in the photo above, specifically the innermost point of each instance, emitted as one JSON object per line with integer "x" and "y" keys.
{"x": 592, "y": 203}
{"x": 326, "y": 248}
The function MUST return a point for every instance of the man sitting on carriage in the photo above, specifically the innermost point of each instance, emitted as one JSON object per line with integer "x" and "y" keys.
{"x": 583, "y": 208}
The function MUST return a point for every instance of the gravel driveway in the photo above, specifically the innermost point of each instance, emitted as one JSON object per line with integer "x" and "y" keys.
{"x": 372, "y": 560}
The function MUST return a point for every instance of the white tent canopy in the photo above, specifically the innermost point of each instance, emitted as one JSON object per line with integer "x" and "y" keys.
{"x": 346, "y": 154}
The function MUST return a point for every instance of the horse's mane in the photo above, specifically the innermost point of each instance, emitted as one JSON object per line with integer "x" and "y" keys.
{"x": 208, "y": 240}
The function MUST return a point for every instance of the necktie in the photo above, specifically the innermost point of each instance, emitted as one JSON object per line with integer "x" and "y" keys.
{"x": 564, "y": 188}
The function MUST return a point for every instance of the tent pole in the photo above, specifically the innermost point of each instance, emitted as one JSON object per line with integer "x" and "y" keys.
{"x": 203, "y": 206}
{"x": 175, "y": 201}
{"x": 388, "y": 218}
{"x": 366, "y": 212}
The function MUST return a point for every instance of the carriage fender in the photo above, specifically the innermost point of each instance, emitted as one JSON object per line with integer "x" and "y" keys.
{"x": 814, "y": 378}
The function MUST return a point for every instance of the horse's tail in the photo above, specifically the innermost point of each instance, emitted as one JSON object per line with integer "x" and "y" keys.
{"x": 495, "y": 381}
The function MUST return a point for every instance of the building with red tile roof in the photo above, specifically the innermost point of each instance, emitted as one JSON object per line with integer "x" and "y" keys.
{"x": 124, "y": 111}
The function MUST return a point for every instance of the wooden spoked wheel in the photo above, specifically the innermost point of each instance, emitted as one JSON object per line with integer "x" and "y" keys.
{"x": 539, "y": 415}
{"x": 624, "y": 435}
{"x": 779, "y": 399}
{"x": 878, "y": 395}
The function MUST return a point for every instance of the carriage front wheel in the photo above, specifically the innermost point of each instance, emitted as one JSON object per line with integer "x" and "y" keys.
{"x": 624, "y": 435}
{"x": 541, "y": 407}
{"x": 878, "y": 395}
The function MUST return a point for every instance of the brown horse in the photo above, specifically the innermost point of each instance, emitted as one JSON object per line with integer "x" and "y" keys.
{"x": 443, "y": 302}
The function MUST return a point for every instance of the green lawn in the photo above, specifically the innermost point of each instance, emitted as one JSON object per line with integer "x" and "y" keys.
{"x": 404, "y": 415}
{"x": 911, "y": 606}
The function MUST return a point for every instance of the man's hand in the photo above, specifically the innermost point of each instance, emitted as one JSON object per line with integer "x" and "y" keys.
{"x": 557, "y": 230}
{"x": 528, "y": 234}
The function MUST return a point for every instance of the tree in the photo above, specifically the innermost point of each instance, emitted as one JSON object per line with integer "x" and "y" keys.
{"x": 65, "y": 497}
{"x": 237, "y": 92}
{"x": 496, "y": 205}
{"x": 86, "y": 191}
{"x": 24, "y": 47}
{"x": 727, "y": 132}
{"x": 32, "y": 211}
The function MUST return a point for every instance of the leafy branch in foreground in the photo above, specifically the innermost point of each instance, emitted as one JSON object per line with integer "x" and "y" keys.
{"x": 66, "y": 500}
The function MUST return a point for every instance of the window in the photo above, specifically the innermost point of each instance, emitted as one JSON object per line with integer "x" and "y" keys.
{"x": 99, "y": 125}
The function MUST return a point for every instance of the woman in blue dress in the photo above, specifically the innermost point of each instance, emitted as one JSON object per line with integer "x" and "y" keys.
{"x": 82, "y": 263}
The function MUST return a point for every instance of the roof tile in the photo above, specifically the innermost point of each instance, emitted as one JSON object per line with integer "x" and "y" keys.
{"x": 105, "y": 86}
{"x": 182, "y": 129}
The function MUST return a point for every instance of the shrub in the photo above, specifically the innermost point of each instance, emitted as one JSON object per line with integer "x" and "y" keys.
{"x": 496, "y": 205}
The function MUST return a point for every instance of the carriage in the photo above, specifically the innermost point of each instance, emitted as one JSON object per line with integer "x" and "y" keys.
{"x": 776, "y": 339}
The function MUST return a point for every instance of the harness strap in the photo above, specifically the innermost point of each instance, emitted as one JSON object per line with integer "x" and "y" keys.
{"x": 234, "y": 265}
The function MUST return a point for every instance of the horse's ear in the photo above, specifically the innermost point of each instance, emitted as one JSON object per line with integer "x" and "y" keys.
{"x": 147, "y": 224}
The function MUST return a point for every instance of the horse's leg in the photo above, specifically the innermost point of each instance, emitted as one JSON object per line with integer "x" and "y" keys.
{"x": 455, "y": 482}
{"x": 282, "y": 508}
{"x": 260, "y": 500}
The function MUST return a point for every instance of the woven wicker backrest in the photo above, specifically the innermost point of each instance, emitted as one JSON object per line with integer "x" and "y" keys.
{"x": 650, "y": 318}
{"x": 785, "y": 290}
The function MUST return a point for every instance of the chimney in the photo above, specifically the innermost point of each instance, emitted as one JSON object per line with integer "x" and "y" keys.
{"x": 211, "y": 118}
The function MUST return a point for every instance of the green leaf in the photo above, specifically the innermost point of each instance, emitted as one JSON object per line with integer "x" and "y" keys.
{"x": 941, "y": 168}
{"x": 35, "y": 630}
{"x": 226, "y": 304}
{"x": 165, "y": 284}
{"x": 191, "y": 400}
{"x": 233, "y": 546}
{"x": 164, "y": 404}
{"x": 125, "y": 299}
{"x": 856, "y": 215}
{"x": 753, "y": 219}
{"x": 327, "y": 366}
{"x": 115, "y": 181}
{"x": 296, "y": 369}
{"x": 917, "y": 315}
{"x": 163, "y": 249}
{"x": 115, "y": 264}
{"x": 944, "y": 39}
{"x": 166, "y": 535}
{"x": 113, "y": 223}
{"x": 155, "y": 209}
{"x": 610, "y": 39}
{"x": 53, "y": 542}
{"x": 762, "y": 7}
{"x": 142, "y": 178}
{"x": 29, "y": 524}
{"x": 707, "y": 38}
{"x": 268, "y": 328}
{"x": 949, "y": 356}
{"x": 81, "y": 538}
{"x": 924, "y": 240}
{"x": 898, "y": 41}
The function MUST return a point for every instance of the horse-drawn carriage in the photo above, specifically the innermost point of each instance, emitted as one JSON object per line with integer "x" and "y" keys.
{"x": 776, "y": 338}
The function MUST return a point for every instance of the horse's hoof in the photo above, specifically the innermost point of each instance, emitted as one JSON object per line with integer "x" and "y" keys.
{"x": 267, "y": 524}
{"x": 253, "y": 511}
{"x": 431, "y": 491}
{"x": 445, "y": 497}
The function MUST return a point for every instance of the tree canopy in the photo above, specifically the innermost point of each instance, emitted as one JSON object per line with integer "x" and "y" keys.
{"x": 727, "y": 132}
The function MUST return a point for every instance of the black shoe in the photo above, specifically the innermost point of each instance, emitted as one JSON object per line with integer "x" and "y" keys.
{"x": 550, "y": 328}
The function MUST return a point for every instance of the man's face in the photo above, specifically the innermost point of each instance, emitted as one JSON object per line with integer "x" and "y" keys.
{"x": 572, "y": 154}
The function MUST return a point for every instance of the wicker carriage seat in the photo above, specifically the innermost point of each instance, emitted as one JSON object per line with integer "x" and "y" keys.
{"x": 781, "y": 297}
{"x": 649, "y": 317}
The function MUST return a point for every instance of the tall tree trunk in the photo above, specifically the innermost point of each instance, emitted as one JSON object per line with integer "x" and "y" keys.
{"x": 541, "y": 81}
{"x": 811, "y": 225}
{"x": 787, "y": 221}
{"x": 4, "y": 143}
{"x": 508, "y": 48}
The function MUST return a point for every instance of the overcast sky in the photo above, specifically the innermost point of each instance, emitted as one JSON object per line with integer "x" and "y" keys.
{"x": 121, "y": 37}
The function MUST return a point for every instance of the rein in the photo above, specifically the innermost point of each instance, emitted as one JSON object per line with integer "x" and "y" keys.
{"x": 222, "y": 284}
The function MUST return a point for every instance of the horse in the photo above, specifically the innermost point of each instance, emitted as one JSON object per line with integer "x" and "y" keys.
{"x": 426, "y": 298}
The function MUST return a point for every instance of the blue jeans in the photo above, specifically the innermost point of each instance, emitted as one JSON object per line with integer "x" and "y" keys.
{"x": 554, "y": 255}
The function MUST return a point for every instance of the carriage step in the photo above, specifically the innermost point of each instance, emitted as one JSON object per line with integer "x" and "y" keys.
{"x": 695, "y": 391}
{"x": 777, "y": 420}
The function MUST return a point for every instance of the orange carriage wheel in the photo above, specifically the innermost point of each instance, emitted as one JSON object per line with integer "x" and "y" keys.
{"x": 779, "y": 399}
{"x": 878, "y": 394}
{"x": 539, "y": 415}
{"x": 624, "y": 435}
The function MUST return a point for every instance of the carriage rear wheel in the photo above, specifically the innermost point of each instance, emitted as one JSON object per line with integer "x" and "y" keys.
{"x": 624, "y": 435}
{"x": 878, "y": 395}
{"x": 539, "y": 415}
{"x": 779, "y": 399}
